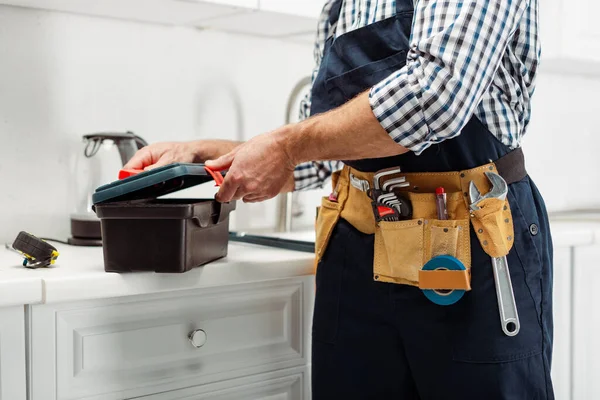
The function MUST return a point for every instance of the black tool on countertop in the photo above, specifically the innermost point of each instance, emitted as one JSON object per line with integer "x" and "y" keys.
{"x": 287, "y": 244}
{"x": 36, "y": 252}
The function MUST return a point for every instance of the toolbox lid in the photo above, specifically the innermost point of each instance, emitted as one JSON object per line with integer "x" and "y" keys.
{"x": 153, "y": 183}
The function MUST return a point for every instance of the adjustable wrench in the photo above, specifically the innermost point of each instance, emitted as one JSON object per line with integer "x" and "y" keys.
{"x": 509, "y": 317}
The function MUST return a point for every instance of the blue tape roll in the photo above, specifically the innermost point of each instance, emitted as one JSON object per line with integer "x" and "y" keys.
{"x": 449, "y": 263}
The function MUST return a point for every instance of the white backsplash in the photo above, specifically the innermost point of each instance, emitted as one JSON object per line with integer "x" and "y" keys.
{"x": 62, "y": 76}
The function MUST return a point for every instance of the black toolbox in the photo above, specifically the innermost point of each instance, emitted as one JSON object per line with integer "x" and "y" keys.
{"x": 143, "y": 233}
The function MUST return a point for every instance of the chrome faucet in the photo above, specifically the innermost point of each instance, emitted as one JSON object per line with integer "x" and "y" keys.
{"x": 287, "y": 208}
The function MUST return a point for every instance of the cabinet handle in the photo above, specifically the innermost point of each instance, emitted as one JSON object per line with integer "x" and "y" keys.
{"x": 197, "y": 338}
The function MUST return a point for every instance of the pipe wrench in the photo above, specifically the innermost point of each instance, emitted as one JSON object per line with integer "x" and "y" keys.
{"x": 509, "y": 317}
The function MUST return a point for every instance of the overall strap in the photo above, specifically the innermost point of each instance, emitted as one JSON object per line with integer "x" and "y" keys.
{"x": 405, "y": 6}
{"x": 334, "y": 11}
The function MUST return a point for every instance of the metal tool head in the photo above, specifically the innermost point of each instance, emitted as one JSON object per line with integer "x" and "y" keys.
{"x": 386, "y": 172}
{"x": 499, "y": 190}
{"x": 387, "y": 186}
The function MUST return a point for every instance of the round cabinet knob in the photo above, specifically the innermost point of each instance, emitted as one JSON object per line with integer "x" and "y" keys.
{"x": 197, "y": 338}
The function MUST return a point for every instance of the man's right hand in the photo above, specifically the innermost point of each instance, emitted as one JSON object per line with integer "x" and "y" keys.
{"x": 160, "y": 154}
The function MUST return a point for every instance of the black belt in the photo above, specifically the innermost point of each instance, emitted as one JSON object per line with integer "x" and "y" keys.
{"x": 511, "y": 166}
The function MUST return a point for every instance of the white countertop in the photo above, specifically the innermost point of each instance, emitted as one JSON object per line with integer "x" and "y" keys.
{"x": 18, "y": 285}
{"x": 79, "y": 273}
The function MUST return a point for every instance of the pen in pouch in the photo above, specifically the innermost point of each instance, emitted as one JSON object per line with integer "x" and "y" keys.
{"x": 440, "y": 200}
{"x": 333, "y": 196}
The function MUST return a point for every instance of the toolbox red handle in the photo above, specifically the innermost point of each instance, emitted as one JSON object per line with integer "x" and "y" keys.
{"x": 216, "y": 175}
{"x": 126, "y": 173}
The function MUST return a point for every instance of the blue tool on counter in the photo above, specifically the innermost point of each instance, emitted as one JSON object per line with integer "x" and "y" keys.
{"x": 444, "y": 297}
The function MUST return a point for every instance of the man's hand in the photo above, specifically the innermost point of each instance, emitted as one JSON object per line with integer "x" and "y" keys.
{"x": 159, "y": 154}
{"x": 259, "y": 169}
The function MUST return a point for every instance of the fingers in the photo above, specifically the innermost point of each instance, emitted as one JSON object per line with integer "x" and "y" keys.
{"x": 254, "y": 199}
{"x": 229, "y": 190}
{"x": 141, "y": 159}
{"x": 222, "y": 162}
{"x": 161, "y": 162}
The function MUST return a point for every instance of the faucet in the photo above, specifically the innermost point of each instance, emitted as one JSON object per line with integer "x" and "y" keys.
{"x": 285, "y": 201}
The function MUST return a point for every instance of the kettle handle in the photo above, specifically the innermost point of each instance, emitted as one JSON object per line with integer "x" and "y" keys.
{"x": 139, "y": 141}
{"x": 127, "y": 152}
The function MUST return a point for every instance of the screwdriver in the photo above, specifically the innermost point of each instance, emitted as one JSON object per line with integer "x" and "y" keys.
{"x": 440, "y": 202}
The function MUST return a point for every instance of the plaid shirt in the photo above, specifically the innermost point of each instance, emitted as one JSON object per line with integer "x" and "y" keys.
{"x": 466, "y": 57}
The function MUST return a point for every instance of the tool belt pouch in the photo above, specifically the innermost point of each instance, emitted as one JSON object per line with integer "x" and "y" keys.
{"x": 402, "y": 248}
{"x": 328, "y": 215}
{"x": 493, "y": 225}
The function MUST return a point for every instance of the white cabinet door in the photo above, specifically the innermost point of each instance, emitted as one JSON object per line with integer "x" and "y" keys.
{"x": 562, "y": 357}
{"x": 176, "y": 12}
{"x": 128, "y": 347}
{"x": 12, "y": 354}
{"x": 586, "y": 330}
{"x": 303, "y": 8}
{"x": 275, "y": 18}
{"x": 237, "y": 3}
{"x": 281, "y": 385}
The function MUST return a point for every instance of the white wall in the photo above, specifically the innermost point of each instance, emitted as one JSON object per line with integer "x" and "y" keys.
{"x": 62, "y": 76}
{"x": 561, "y": 146}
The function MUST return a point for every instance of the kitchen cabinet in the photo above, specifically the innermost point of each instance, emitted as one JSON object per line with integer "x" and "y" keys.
{"x": 144, "y": 345}
{"x": 288, "y": 19}
{"x": 305, "y": 8}
{"x": 12, "y": 354}
{"x": 561, "y": 358}
{"x": 281, "y": 385}
{"x": 271, "y": 18}
{"x": 586, "y": 328}
{"x": 173, "y": 12}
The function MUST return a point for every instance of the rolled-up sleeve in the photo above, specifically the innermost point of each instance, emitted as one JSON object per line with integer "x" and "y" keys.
{"x": 455, "y": 49}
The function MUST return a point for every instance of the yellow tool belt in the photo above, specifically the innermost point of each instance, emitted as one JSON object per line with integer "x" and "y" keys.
{"x": 403, "y": 247}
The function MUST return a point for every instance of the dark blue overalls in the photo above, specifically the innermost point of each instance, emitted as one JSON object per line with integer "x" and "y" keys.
{"x": 375, "y": 340}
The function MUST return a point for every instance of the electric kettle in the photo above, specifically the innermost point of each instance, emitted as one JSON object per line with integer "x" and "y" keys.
{"x": 104, "y": 154}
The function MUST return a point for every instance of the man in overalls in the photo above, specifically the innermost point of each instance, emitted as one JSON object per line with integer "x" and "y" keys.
{"x": 442, "y": 90}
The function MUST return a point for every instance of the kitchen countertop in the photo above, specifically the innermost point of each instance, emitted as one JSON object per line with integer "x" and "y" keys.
{"x": 79, "y": 272}
{"x": 18, "y": 285}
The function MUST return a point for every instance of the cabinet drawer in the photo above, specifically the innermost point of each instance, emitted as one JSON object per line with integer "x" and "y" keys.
{"x": 273, "y": 386}
{"x": 115, "y": 347}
